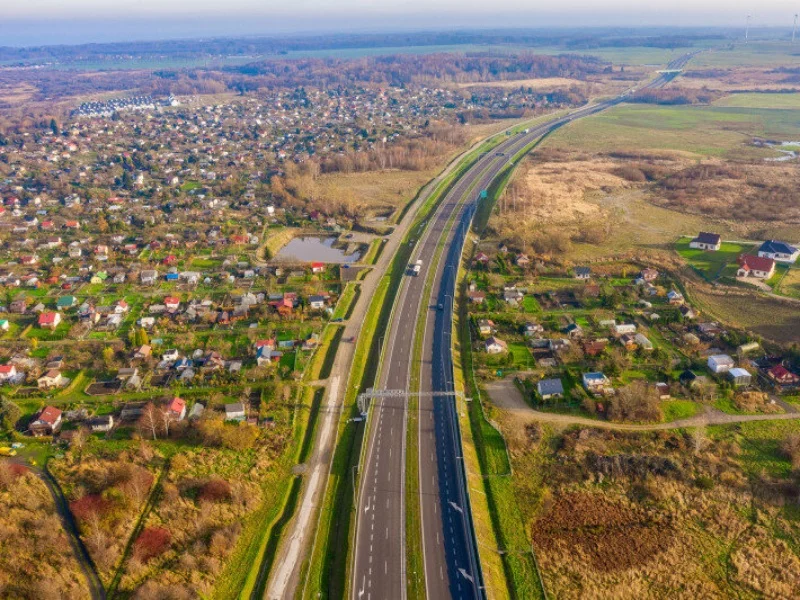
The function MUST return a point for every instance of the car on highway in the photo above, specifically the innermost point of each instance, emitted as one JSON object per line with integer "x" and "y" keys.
{"x": 440, "y": 306}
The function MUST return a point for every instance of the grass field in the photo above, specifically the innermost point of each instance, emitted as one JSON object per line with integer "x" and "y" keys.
{"x": 678, "y": 409}
{"x": 756, "y": 53}
{"x": 711, "y": 264}
{"x": 775, "y": 101}
{"x": 703, "y": 131}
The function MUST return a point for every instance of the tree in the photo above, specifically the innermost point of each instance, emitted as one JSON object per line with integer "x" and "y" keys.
{"x": 10, "y": 413}
{"x": 637, "y": 401}
{"x": 54, "y": 126}
{"x": 151, "y": 421}
{"x": 142, "y": 339}
{"x": 108, "y": 356}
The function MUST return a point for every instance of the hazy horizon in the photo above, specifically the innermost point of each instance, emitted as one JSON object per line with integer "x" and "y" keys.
{"x": 23, "y": 25}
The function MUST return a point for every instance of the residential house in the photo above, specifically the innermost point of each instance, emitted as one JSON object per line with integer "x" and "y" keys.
{"x": 316, "y": 302}
{"x": 317, "y": 267}
{"x": 522, "y": 260}
{"x": 675, "y": 297}
{"x": 172, "y": 303}
{"x": 720, "y": 363}
{"x": 485, "y": 327}
{"x": 495, "y": 346}
{"x": 176, "y": 408}
{"x": 148, "y": 276}
{"x": 596, "y": 382}
{"x": 476, "y": 297}
{"x": 573, "y": 330}
{"x": 65, "y": 302}
{"x": 52, "y": 379}
{"x": 143, "y": 352}
{"x": 512, "y": 296}
{"x": 8, "y": 373}
{"x": 582, "y": 272}
{"x": 623, "y": 328}
{"x": 706, "y": 241}
{"x": 531, "y": 329}
{"x": 46, "y": 422}
{"x": 759, "y": 267}
{"x": 595, "y": 347}
{"x": 781, "y": 376}
{"x": 49, "y": 320}
{"x": 550, "y": 388}
{"x": 779, "y": 251}
{"x": 235, "y": 412}
{"x": 101, "y": 423}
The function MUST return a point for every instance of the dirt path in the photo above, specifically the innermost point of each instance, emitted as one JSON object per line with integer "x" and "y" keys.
{"x": 505, "y": 395}
{"x": 80, "y": 551}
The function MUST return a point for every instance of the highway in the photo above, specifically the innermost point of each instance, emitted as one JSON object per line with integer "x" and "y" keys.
{"x": 451, "y": 563}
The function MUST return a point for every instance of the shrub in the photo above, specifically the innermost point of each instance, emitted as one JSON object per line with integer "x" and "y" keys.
{"x": 89, "y": 506}
{"x": 215, "y": 490}
{"x": 152, "y": 542}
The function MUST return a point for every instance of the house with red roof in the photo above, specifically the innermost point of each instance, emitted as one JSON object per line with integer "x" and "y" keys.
{"x": 49, "y": 320}
{"x": 47, "y": 422}
{"x": 7, "y": 372}
{"x": 759, "y": 267}
{"x": 176, "y": 408}
{"x": 172, "y": 303}
{"x": 782, "y": 376}
{"x": 317, "y": 267}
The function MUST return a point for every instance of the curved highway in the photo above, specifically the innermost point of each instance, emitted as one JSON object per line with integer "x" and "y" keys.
{"x": 451, "y": 562}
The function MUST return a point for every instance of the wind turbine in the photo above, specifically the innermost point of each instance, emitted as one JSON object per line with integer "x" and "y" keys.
{"x": 794, "y": 29}
{"x": 747, "y": 28}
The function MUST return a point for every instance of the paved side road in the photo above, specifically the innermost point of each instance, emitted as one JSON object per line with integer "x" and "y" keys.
{"x": 505, "y": 395}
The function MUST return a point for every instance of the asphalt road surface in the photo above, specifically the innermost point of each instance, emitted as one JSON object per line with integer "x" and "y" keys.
{"x": 452, "y": 568}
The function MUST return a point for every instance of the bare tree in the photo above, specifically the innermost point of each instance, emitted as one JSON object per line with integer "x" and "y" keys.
{"x": 151, "y": 420}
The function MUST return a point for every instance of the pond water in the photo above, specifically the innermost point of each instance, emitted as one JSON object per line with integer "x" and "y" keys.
{"x": 311, "y": 248}
{"x": 785, "y": 148}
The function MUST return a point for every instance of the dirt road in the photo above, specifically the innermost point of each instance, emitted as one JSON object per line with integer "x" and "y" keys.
{"x": 505, "y": 395}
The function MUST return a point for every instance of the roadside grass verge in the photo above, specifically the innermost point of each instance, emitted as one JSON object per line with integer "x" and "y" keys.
{"x": 347, "y": 301}
{"x": 374, "y": 252}
{"x": 249, "y": 565}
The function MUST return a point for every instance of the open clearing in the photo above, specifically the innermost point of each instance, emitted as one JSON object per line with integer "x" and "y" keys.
{"x": 703, "y": 131}
{"x": 789, "y": 101}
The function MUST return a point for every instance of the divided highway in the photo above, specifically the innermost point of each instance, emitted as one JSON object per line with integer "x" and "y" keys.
{"x": 451, "y": 563}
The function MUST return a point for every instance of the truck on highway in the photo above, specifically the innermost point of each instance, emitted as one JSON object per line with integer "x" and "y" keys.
{"x": 416, "y": 267}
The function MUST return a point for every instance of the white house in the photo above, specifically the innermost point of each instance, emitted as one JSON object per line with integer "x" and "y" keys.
{"x": 706, "y": 241}
{"x": 495, "y": 346}
{"x": 623, "y": 328}
{"x": 720, "y": 363}
{"x": 759, "y": 267}
{"x": 779, "y": 251}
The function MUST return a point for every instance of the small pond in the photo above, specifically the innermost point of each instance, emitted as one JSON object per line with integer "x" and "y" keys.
{"x": 315, "y": 249}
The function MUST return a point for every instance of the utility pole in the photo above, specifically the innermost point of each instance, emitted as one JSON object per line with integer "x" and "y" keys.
{"x": 747, "y": 29}
{"x": 794, "y": 29}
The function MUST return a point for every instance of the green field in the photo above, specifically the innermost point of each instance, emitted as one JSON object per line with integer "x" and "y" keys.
{"x": 714, "y": 131}
{"x": 712, "y": 265}
{"x": 775, "y": 101}
{"x": 754, "y": 54}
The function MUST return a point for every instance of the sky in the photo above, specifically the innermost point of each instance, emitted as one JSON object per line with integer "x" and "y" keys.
{"x": 37, "y": 22}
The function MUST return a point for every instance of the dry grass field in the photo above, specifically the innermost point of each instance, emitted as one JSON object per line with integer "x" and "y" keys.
{"x": 660, "y": 515}
{"x": 631, "y": 181}
{"x": 36, "y": 559}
